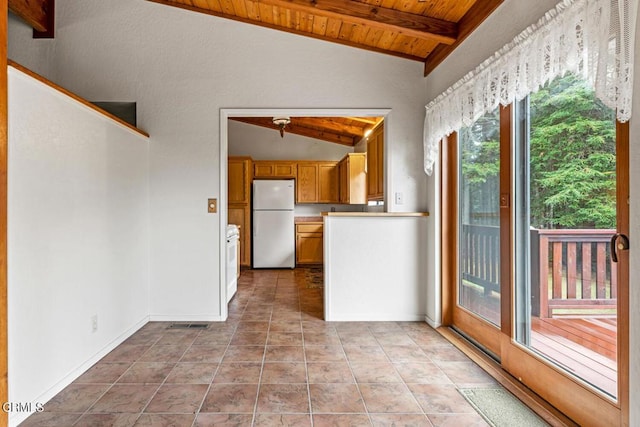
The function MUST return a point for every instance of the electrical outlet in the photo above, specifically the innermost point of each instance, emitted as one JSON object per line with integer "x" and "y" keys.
{"x": 94, "y": 323}
{"x": 399, "y": 198}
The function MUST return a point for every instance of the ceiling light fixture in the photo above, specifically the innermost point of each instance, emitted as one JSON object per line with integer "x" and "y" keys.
{"x": 281, "y": 122}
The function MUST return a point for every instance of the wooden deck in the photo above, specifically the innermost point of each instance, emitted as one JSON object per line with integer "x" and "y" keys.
{"x": 585, "y": 346}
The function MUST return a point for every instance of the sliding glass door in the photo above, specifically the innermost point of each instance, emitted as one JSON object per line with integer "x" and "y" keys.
{"x": 541, "y": 195}
{"x": 478, "y": 294}
{"x": 566, "y": 213}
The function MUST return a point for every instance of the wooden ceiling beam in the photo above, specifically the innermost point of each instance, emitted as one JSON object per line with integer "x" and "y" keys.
{"x": 344, "y": 42}
{"x": 327, "y": 124}
{"x": 418, "y": 26}
{"x": 321, "y": 135}
{"x": 33, "y": 12}
{"x": 299, "y": 130}
{"x": 475, "y": 16}
{"x": 369, "y": 120}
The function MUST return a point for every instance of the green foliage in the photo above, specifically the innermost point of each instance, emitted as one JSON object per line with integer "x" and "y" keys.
{"x": 480, "y": 155}
{"x": 572, "y": 158}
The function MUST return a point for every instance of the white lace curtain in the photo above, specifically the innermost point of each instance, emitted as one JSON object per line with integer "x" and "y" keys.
{"x": 591, "y": 38}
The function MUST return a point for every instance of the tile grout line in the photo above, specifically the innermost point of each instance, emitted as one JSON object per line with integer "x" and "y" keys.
{"x": 206, "y": 394}
{"x": 87, "y": 411}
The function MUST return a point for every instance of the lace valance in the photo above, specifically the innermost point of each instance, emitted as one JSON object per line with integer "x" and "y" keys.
{"x": 591, "y": 38}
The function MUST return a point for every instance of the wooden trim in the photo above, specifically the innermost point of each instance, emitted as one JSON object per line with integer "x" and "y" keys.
{"x": 4, "y": 350}
{"x": 469, "y": 22}
{"x": 584, "y": 405}
{"x": 33, "y": 12}
{"x": 289, "y": 30}
{"x": 449, "y": 219}
{"x": 76, "y": 97}
{"x": 541, "y": 407}
{"x": 623, "y": 195}
{"x": 50, "y": 11}
{"x": 506, "y": 213}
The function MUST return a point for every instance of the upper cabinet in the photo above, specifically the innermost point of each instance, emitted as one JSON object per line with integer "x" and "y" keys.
{"x": 317, "y": 182}
{"x": 274, "y": 169}
{"x": 375, "y": 164}
{"x": 328, "y": 182}
{"x": 307, "y": 182}
{"x": 353, "y": 179}
{"x": 239, "y": 181}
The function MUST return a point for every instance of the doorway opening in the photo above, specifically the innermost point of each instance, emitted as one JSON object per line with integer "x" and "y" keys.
{"x": 229, "y": 116}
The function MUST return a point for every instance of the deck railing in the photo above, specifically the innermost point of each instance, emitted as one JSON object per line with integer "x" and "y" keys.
{"x": 480, "y": 260}
{"x": 571, "y": 271}
{"x": 575, "y": 271}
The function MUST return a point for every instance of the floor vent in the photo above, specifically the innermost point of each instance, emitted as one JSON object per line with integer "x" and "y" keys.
{"x": 189, "y": 326}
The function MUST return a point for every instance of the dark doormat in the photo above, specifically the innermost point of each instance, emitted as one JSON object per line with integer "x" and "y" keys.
{"x": 501, "y": 409}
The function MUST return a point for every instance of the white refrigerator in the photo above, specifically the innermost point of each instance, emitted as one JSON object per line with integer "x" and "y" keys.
{"x": 274, "y": 244}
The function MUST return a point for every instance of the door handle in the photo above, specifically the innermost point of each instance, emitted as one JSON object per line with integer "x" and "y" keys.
{"x": 619, "y": 242}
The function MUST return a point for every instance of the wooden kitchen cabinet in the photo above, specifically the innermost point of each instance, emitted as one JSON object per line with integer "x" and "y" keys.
{"x": 328, "y": 182}
{"x": 375, "y": 164}
{"x": 239, "y": 180}
{"x": 353, "y": 179}
{"x": 317, "y": 182}
{"x": 274, "y": 169}
{"x": 307, "y": 182}
{"x": 309, "y": 243}
{"x": 239, "y": 202}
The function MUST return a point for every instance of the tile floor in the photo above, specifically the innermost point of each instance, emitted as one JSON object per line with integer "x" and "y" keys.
{"x": 274, "y": 362}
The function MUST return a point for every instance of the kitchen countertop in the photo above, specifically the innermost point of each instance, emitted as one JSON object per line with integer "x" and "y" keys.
{"x": 300, "y": 219}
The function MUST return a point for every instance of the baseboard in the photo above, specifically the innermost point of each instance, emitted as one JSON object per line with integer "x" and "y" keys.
{"x": 374, "y": 317}
{"x": 185, "y": 318}
{"x": 432, "y": 323}
{"x": 18, "y": 417}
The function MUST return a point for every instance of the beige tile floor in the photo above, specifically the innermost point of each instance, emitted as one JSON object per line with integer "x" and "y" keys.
{"x": 274, "y": 362}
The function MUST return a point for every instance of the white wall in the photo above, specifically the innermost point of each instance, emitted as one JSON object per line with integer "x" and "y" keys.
{"x": 78, "y": 237}
{"x": 511, "y": 18}
{"x": 379, "y": 279}
{"x": 182, "y": 68}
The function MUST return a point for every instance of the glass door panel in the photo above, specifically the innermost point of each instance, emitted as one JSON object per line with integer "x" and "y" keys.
{"x": 565, "y": 215}
{"x": 478, "y": 289}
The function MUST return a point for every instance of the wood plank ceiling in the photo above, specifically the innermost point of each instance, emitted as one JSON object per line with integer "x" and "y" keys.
{"x": 421, "y": 30}
{"x": 338, "y": 130}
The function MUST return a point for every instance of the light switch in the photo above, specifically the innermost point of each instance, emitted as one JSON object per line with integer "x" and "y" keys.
{"x": 213, "y": 206}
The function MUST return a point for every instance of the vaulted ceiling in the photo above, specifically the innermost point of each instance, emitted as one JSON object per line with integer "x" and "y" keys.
{"x": 339, "y": 130}
{"x": 420, "y": 30}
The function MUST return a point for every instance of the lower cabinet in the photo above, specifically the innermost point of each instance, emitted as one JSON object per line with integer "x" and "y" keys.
{"x": 309, "y": 243}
